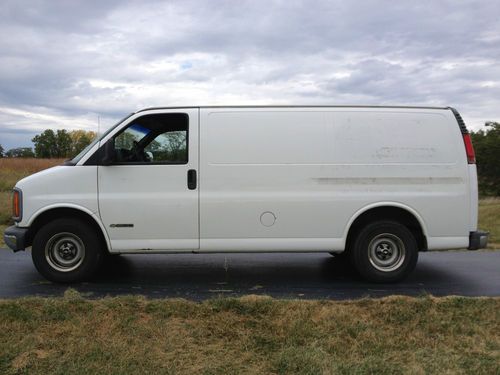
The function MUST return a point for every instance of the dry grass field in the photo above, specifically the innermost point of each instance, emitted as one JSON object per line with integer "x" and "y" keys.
{"x": 14, "y": 169}
{"x": 250, "y": 335}
{"x": 11, "y": 171}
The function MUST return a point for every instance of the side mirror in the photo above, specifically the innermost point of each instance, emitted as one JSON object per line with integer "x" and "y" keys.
{"x": 108, "y": 152}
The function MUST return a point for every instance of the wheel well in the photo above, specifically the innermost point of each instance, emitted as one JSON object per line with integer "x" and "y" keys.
{"x": 57, "y": 213}
{"x": 397, "y": 214}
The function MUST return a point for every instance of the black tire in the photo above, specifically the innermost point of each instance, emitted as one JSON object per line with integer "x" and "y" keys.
{"x": 384, "y": 252}
{"x": 67, "y": 250}
{"x": 341, "y": 256}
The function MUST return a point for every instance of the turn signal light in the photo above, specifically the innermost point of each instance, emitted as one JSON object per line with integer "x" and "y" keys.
{"x": 16, "y": 204}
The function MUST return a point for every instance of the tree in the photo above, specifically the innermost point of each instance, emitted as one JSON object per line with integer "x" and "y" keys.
{"x": 45, "y": 144}
{"x": 1, "y": 151}
{"x": 61, "y": 144}
{"x": 79, "y": 140}
{"x": 20, "y": 152}
{"x": 177, "y": 145}
{"x": 487, "y": 147}
{"x": 169, "y": 146}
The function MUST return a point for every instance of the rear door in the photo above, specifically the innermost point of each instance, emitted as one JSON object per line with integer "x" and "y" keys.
{"x": 148, "y": 198}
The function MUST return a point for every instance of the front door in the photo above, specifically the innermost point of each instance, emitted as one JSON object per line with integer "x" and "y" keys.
{"x": 148, "y": 197}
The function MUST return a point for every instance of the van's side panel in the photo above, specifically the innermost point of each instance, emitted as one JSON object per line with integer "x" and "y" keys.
{"x": 293, "y": 178}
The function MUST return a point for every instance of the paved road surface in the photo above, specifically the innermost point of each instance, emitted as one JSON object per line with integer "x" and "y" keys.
{"x": 196, "y": 277}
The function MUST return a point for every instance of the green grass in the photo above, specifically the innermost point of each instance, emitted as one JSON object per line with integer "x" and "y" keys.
{"x": 250, "y": 335}
{"x": 489, "y": 219}
{"x": 2, "y": 228}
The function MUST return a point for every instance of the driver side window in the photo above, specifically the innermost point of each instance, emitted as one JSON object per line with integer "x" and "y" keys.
{"x": 158, "y": 139}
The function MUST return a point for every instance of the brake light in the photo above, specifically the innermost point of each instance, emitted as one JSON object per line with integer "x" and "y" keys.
{"x": 16, "y": 204}
{"x": 469, "y": 149}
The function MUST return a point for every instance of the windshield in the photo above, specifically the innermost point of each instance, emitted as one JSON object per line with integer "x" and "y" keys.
{"x": 78, "y": 157}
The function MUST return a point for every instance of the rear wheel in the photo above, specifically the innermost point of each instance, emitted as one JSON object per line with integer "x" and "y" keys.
{"x": 66, "y": 250}
{"x": 384, "y": 251}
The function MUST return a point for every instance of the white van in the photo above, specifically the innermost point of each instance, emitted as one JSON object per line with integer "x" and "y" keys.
{"x": 378, "y": 184}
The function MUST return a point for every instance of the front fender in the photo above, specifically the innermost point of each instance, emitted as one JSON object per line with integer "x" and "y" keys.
{"x": 75, "y": 207}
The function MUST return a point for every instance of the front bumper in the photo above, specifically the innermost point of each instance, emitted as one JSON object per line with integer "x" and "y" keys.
{"x": 478, "y": 240}
{"x": 16, "y": 238}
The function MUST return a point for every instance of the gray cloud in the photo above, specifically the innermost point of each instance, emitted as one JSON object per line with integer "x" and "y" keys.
{"x": 64, "y": 62}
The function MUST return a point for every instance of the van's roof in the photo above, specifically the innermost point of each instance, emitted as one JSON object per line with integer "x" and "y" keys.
{"x": 296, "y": 106}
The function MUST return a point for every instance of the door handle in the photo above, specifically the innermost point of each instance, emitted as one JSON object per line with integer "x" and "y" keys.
{"x": 191, "y": 179}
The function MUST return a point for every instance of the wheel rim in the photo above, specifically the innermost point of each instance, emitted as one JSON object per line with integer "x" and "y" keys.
{"x": 386, "y": 252}
{"x": 65, "y": 252}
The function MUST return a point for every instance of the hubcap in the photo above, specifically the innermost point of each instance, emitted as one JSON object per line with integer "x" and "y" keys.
{"x": 386, "y": 252}
{"x": 64, "y": 252}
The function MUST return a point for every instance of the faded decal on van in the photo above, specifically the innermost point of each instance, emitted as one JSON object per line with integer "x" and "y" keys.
{"x": 388, "y": 180}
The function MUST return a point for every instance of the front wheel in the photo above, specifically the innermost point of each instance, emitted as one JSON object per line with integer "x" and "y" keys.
{"x": 384, "y": 251}
{"x": 66, "y": 250}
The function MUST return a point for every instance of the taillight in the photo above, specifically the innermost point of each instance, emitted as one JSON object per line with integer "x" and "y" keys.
{"x": 16, "y": 205}
{"x": 469, "y": 149}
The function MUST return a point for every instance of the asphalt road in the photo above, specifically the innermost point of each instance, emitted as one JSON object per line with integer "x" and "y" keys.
{"x": 197, "y": 276}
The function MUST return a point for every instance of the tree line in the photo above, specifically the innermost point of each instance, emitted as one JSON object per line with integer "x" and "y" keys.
{"x": 487, "y": 147}
{"x": 53, "y": 144}
{"x": 64, "y": 144}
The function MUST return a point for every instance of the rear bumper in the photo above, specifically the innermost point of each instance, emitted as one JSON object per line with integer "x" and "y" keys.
{"x": 15, "y": 238}
{"x": 478, "y": 240}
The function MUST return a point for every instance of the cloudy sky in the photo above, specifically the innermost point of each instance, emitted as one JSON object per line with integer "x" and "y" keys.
{"x": 64, "y": 63}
